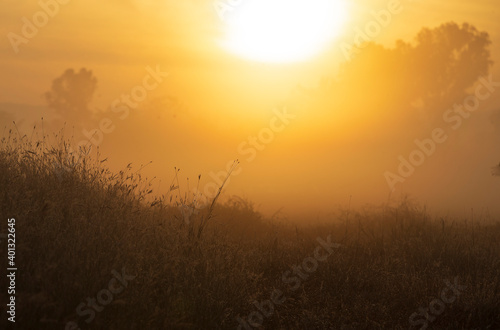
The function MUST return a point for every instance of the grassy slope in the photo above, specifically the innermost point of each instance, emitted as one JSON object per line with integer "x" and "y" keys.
{"x": 75, "y": 227}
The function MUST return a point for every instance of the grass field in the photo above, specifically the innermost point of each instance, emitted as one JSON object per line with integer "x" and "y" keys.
{"x": 96, "y": 251}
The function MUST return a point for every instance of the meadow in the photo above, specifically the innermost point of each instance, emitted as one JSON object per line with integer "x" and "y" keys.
{"x": 98, "y": 250}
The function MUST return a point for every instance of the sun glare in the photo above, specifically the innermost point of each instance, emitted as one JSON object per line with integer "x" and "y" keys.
{"x": 283, "y": 30}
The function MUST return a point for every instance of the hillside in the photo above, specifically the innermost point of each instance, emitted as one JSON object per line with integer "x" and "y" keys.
{"x": 95, "y": 250}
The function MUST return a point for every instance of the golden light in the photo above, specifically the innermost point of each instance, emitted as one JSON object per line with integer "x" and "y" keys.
{"x": 283, "y": 30}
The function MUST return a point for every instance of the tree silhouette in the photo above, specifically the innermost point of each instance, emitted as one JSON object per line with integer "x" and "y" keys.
{"x": 496, "y": 170}
{"x": 71, "y": 94}
{"x": 448, "y": 60}
{"x": 428, "y": 75}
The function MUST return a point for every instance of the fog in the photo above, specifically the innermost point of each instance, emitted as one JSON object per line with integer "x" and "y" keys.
{"x": 411, "y": 112}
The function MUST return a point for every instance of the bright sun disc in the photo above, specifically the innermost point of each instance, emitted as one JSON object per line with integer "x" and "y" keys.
{"x": 283, "y": 30}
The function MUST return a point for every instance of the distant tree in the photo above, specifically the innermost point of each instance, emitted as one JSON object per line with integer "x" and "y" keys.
{"x": 71, "y": 94}
{"x": 496, "y": 170}
{"x": 430, "y": 75}
{"x": 448, "y": 60}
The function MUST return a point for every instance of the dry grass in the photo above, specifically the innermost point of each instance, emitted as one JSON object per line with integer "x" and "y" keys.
{"x": 75, "y": 227}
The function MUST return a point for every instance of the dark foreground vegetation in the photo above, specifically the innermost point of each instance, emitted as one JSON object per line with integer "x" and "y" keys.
{"x": 95, "y": 251}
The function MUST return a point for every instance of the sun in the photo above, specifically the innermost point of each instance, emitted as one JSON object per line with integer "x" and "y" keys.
{"x": 283, "y": 31}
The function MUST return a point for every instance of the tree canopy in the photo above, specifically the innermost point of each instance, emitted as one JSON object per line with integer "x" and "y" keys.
{"x": 71, "y": 94}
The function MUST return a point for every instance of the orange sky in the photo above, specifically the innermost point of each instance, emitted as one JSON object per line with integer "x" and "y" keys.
{"x": 315, "y": 164}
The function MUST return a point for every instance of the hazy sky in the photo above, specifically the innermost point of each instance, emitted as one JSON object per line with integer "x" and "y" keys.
{"x": 314, "y": 164}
